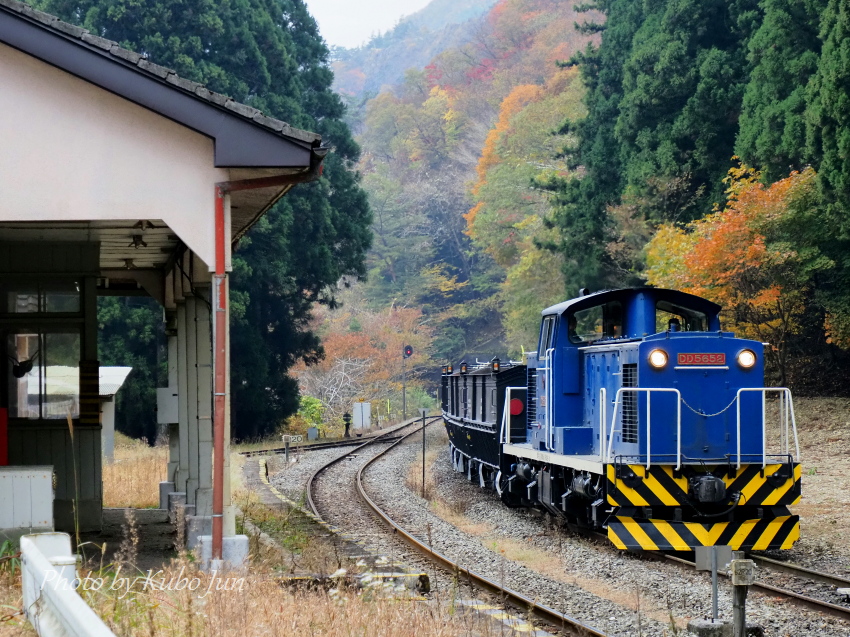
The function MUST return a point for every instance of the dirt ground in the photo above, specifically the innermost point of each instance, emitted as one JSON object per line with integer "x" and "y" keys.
{"x": 823, "y": 425}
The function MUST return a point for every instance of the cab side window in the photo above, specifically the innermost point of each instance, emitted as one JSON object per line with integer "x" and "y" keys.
{"x": 547, "y": 334}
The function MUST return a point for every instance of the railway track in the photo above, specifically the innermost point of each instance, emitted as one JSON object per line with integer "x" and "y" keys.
{"x": 351, "y": 442}
{"x": 565, "y": 623}
{"x": 809, "y": 579}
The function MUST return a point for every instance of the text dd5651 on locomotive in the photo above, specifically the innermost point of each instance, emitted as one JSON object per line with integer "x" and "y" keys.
{"x": 637, "y": 415}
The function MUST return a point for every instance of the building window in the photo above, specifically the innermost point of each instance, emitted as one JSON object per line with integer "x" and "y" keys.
{"x": 37, "y": 296}
{"x": 43, "y": 373}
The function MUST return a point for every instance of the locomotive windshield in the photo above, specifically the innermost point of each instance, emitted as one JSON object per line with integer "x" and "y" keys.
{"x": 669, "y": 316}
{"x": 596, "y": 323}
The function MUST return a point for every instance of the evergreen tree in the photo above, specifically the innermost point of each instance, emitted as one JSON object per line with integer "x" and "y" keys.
{"x": 269, "y": 54}
{"x": 682, "y": 90}
{"x": 828, "y": 116}
{"x": 784, "y": 54}
{"x": 579, "y": 203}
{"x": 131, "y": 334}
{"x": 664, "y": 93}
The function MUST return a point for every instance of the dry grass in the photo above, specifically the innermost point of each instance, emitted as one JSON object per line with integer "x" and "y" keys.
{"x": 132, "y": 480}
{"x": 12, "y": 621}
{"x": 263, "y": 607}
{"x": 413, "y": 480}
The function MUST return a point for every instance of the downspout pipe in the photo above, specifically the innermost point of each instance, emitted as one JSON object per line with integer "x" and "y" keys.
{"x": 221, "y": 390}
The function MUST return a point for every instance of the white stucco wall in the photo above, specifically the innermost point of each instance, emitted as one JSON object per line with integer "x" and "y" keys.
{"x": 73, "y": 151}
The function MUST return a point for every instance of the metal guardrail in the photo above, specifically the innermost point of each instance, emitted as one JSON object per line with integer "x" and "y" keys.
{"x": 786, "y": 418}
{"x": 49, "y": 576}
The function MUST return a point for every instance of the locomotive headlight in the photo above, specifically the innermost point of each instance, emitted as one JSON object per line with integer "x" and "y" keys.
{"x": 658, "y": 358}
{"x": 746, "y": 358}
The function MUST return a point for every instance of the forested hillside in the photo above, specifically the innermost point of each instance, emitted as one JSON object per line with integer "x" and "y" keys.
{"x": 451, "y": 161}
{"x": 718, "y": 134}
{"x": 682, "y": 143}
{"x": 512, "y": 152}
{"x": 411, "y": 44}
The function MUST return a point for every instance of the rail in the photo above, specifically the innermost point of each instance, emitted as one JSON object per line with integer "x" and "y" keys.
{"x": 786, "y": 417}
{"x": 550, "y": 399}
{"x": 649, "y": 390}
{"x": 380, "y": 438}
{"x": 51, "y": 602}
{"x": 797, "y": 598}
{"x": 518, "y": 599}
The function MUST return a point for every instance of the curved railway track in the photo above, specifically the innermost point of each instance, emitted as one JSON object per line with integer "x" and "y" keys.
{"x": 563, "y": 622}
{"x": 569, "y": 625}
{"x": 318, "y": 446}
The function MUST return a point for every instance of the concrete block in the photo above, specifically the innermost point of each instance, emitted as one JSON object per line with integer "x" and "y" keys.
{"x": 176, "y": 501}
{"x": 196, "y": 527}
{"x": 234, "y": 554}
{"x": 707, "y": 628}
{"x": 165, "y": 488}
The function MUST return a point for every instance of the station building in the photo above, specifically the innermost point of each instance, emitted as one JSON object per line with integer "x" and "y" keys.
{"x": 120, "y": 178}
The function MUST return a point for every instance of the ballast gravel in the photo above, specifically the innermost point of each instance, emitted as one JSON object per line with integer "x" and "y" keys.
{"x": 616, "y": 592}
{"x": 636, "y": 596}
{"x": 339, "y": 504}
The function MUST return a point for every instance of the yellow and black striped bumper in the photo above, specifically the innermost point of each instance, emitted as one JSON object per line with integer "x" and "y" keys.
{"x": 660, "y": 486}
{"x": 662, "y": 535}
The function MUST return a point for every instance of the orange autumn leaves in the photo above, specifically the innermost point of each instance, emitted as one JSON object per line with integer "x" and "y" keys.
{"x": 746, "y": 257}
{"x": 363, "y": 355}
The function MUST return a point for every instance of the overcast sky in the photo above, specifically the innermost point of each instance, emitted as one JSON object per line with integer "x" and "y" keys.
{"x": 350, "y": 23}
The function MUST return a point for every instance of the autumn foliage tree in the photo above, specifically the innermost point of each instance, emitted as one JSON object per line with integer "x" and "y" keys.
{"x": 363, "y": 357}
{"x": 751, "y": 258}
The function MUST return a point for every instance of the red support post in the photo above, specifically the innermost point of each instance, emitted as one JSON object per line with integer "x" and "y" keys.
{"x": 219, "y": 370}
{"x": 220, "y": 327}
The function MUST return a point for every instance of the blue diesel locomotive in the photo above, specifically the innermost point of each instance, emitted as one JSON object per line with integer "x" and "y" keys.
{"x": 639, "y": 416}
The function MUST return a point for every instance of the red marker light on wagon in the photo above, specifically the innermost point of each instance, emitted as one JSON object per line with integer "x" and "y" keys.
{"x": 658, "y": 358}
{"x": 516, "y": 406}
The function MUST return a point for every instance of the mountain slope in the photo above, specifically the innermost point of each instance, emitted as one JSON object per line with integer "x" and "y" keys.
{"x": 412, "y": 43}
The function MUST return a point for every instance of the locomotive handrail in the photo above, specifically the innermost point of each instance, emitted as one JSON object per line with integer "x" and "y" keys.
{"x": 550, "y": 400}
{"x": 504, "y": 432}
{"x": 649, "y": 391}
{"x": 786, "y": 408}
{"x": 603, "y": 425}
